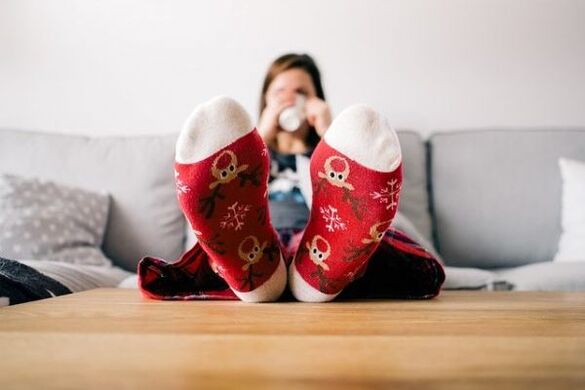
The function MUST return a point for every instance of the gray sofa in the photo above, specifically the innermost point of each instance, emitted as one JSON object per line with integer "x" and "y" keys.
{"x": 489, "y": 200}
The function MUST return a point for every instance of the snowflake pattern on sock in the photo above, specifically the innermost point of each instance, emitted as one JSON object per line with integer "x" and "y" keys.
{"x": 182, "y": 188}
{"x": 388, "y": 195}
{"x": 332, "y": 218}
{"x": 234, "y": 218}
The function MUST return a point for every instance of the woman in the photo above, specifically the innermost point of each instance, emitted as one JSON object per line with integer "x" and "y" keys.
{"x": 289, "y": 76}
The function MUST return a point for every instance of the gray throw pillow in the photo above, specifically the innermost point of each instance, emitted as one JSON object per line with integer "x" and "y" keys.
{"x": 43, "y": 220}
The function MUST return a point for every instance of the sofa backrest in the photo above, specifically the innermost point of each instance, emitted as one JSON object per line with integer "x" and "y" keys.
{"x": 137, "y": 172}
{"x": 496, "y": 194}
{"x": 414, "y": 197}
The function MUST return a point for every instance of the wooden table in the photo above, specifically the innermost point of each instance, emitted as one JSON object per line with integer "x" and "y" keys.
{"x": 112, "y": 338}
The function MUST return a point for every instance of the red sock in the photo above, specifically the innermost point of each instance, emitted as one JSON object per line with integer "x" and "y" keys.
{"x": 353, "y": 204}
{"x": 224, "y": 197}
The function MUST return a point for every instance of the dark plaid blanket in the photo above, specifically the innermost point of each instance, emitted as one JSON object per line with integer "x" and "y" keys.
{"x": 399, "y": 268}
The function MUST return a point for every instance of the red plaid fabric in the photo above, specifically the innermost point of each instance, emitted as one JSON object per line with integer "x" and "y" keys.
{"x": 399, "y": 268}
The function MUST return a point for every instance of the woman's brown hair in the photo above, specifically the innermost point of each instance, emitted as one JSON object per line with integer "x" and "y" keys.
{"x": 294, "y": 61}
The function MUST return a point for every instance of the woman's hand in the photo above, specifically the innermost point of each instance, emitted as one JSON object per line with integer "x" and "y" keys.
{"x": 318, "y": 115}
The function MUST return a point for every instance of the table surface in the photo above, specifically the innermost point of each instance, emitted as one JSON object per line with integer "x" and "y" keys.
{"x": 108, "y": 338}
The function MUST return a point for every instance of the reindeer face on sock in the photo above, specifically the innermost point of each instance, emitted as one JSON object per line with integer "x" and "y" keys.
{"x": 377, "y": 232}
{"x": 319, "y": 251}
{"x": 251, "y": 251}
{"x": 336, "y": 172}
{"x": 225, "y": 168}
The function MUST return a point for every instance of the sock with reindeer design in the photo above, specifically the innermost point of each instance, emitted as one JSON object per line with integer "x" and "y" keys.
{"x": 356, "y": 175}
{"x": 221, "y": 170}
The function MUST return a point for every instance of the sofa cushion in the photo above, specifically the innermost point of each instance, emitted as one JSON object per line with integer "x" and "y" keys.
{"x": 79, "y": 278}
{"x": 459, "y": 278}
{"x": 547, "y": 276}
{"x": 137, "y": 172}
{"x": 496, "y": 194}
{"x": 414, "y": 199}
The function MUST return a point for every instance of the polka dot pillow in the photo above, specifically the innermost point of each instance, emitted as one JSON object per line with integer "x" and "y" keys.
{"x": 43, "y": 220}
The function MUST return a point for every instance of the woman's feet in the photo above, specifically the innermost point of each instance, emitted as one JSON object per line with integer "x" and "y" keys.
{"x": 356, "y": 174}
{"x": 221, "y": 172}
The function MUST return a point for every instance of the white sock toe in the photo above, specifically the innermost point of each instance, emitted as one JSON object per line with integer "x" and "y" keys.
{"x": 303, "y": 291}
{"x": 212, "y": 126}
{"x": 364, "y": 135}
{"x": 270, "y": 290}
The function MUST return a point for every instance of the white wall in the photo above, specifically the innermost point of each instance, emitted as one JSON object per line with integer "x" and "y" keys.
{"x": 140, "y": 66}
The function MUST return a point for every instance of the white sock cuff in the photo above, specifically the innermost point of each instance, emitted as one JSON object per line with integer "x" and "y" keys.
{"x": 270, "y": 290}
{"x": 211, "y": 126}
{"x": 364, "y": 135}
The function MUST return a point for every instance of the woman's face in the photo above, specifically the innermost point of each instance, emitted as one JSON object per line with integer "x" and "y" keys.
{"x": 287, "y": 84}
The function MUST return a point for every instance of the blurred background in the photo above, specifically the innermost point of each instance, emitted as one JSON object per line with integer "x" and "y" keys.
{"x": 140, "y": 66}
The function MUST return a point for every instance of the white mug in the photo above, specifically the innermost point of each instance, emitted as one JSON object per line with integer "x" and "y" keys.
{"x": 291, "y": 118}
